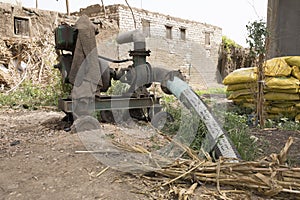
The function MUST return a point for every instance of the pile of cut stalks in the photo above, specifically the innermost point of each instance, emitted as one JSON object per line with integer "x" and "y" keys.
{"x": 267, "y": 177}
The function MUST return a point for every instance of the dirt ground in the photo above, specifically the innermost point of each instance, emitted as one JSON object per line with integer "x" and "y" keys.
{"x": 38, "y": 161}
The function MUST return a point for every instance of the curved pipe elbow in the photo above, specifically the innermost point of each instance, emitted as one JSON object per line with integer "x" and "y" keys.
{"x": 135, "y": 36}
{"x": 131, "y": 36}
{"x": 159, "y": 74}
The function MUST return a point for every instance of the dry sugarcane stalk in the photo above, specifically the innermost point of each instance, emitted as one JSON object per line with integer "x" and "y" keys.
{"x": 182, "y": 175}
{"x": 283, "y": 153}
{"x": 16, "y": 86}
{"x": 104, "y": 170}
{"x": 188, "y": 150}
{"x": 267, "y": 176}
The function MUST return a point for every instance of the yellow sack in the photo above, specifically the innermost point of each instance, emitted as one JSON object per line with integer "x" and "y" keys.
{"x": 297, "y": 118}
{"x": 280, "y": 115}
{"x": 234, "y": 87}
{"x": 275, "y": 110}
{"x": 243, "y": 75}
{"x": 273, "y": 96}
{"x": 291, "y": 91}
{"x": 298, "y": 105}
{"x": 246, "y": 99}
{"x": 282, "y": 104}
{"x": 282, "y": 82}
{"x": 238, "y": 93}
{"x": 296, "y": 72}
{"x": 293, "y": 60}
{"x": 277, "y": 67}
{"x": 249, "y": 105}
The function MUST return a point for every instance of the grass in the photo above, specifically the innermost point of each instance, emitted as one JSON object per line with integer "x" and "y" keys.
{"x": 283, "y": 124}
{"x": 233, "y": 123}
{"x": 31, "y": 96}
{"x": 212, "y": 91}
{"x": 239, "y": 132}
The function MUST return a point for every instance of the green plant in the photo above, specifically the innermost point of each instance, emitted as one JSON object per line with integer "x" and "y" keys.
{"x": 221, "y": 90}
{"x": 239, "y": 132}
{"x": 257, "y": 34}
{"x": 234, "y": 124}
{"x": 117, "y": 88}
{"x": 228, "y": 44}
{"x": 30, "y": 95}
{"x": 186, "y": 123}
{"x": 289, "y": 125}
{"x": 283, "y": 124}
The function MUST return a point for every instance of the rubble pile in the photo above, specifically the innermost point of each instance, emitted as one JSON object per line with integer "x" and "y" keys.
{"x": 281, "y": 87}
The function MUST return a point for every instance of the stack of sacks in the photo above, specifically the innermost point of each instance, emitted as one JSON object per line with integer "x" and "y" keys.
{"x": 281, "y": 87}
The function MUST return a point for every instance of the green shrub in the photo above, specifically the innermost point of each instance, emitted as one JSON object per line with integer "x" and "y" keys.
{"x": 29, "y": 95}
{"x": 239, "y": 132}
{"x": 229, "y": 43}
{"x": 117, "y": 88}
{"x": 283, "y": 124}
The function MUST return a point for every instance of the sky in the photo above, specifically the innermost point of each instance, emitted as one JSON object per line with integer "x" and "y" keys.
{"x": 231, "y": 15}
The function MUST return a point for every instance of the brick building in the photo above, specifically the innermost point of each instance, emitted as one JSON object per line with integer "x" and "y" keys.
{"x": 175, "y": 43}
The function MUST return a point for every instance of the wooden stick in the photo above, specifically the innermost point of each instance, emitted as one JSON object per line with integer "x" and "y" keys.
{"x": 104, "y": 170}
{"x": 182, "y": 175}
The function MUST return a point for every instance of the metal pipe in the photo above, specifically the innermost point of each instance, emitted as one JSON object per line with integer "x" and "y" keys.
{"x": 159, "y": 74}
{"x": 136, "y": 36}
{"x": 67, "y": 5}
{"x": 112, "y": 60}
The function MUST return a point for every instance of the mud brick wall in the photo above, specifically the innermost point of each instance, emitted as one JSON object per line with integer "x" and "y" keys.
{"x": 40, "y": 22}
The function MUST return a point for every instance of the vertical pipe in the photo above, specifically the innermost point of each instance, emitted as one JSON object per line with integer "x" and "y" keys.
{"x": 36, "y": 4}
{"x": 67, "y": 5}
{"x": 104, "y": 10}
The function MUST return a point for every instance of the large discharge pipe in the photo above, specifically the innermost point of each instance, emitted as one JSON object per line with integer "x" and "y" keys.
{"x": 216, "y": 136}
